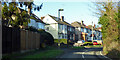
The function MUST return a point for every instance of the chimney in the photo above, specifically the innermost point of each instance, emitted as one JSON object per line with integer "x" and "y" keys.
{"x": 62, "y": 18}
{"x": 82, "y": 22}
{"x": 42, "y": 18}
{"x": 94, "y": 25}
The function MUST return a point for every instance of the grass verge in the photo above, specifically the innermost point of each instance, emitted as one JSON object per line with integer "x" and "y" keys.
{"x": 46, "y": 54}
{"x": 43, "y": 51}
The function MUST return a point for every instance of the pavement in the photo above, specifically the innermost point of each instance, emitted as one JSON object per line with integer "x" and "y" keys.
{"x": 83, "y": 54}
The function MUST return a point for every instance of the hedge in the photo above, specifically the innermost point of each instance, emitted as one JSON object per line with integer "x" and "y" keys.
{"x": 86, "y": 43}
{"x": 61, "y": 41}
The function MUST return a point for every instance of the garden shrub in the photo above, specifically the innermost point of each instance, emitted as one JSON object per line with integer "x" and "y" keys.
{"x": 88, "y": 43}
{"x": 61, "y": 41}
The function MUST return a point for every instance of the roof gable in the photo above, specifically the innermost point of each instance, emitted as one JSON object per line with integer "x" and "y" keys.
{"x": 48, "y": 19}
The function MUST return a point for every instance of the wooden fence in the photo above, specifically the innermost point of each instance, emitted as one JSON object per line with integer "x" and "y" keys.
{"x": 10, "y": 40}
{"x": 16, "y": 40}
{"x": 29, "y": 40}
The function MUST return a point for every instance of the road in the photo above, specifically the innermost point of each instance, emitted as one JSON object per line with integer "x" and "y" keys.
{"x": 84, "y": 54}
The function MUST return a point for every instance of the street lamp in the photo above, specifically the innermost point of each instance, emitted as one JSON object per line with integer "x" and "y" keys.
{"x": 58, "y": 19}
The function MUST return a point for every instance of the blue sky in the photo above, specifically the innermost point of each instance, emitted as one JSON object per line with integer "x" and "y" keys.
{"x": 73, "y": 11}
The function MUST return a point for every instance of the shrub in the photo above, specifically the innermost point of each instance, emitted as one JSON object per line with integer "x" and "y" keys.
{"x": 61, "y": 41}
{"x": 88, "y": 43}
{"x": 46, "y": 38}
{"x": 32, "y": 29}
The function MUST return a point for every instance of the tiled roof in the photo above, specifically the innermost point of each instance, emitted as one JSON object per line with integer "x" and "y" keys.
{"x": 77, "y": 24}
{"x": 87, "y": 27}
{"x": 59, "y": 21}
{"x": 37, "y": 19}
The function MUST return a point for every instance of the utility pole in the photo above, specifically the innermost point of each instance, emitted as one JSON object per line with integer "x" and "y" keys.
{"x": 92, "y": 31}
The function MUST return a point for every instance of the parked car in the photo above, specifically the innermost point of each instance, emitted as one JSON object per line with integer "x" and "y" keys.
{"x": 95, "y": 43}
{"x": 99, "y": 42}
{"x": 79, "y": 43}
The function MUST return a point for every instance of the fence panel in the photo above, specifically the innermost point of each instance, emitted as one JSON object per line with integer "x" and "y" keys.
{"x": 32, "y": 38}
{"x": 10, "y": 40}
{"x": 6, "y": 40}
{"x": 38, "y": 40}
{"x": 15, "y": 39}
{"x": 29, "y": 39}
{"x": 23, "y": 38}
{"x": 27, "y": 47}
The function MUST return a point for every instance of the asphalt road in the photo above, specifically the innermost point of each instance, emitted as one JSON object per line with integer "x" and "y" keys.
{"x": 83, "y": 54}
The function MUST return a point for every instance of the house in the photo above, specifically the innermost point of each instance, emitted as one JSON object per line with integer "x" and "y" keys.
{"x": 84, "y": 32}
{"x": 99, "y": 35}
{"x": 81, "y": 30}
{"x": 59, "y": 28}
{"x": 77, "y": 29}
{"x": 36, "y": 22}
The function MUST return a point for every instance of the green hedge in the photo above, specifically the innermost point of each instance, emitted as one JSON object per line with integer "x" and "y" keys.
{"x": 61, "y": 41}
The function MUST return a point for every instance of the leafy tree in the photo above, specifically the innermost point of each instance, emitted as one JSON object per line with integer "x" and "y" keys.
{"x": 5, "y": 15}
{"x": 109, "y": 19}
{"x": 21, "y": 17}
{"x": 14, "y": 16}
{"x": 30, "y": 6}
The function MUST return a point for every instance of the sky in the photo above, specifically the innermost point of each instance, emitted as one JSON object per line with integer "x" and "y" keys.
{"x": 73, "y": 11}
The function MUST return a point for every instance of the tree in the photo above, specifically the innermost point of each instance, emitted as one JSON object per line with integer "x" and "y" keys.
{"x": 21, "y": 17}
{"x": 108, "y": 18}
{"x": 14, "y": 16}
{"x": 31, "y": 5}
{"x": 5, "y": 15}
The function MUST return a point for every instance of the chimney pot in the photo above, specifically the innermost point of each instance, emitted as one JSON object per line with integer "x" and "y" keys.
{"x": 62, "y": 18}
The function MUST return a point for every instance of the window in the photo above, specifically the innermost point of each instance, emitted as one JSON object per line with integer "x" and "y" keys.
{"x": 82, "y": 30}
{"x": 63, "y": 36}
{"x": 88, "y": 30}
{"x": 62, "y": 27}
{"x": 58, "y": 26}
{"x": 47, "y": 28}
{"x": 65, "y": 28}
{"x": 59, "y": 36}
{"x": 85, "y": 30}
{"x": 70, "y": 29}
{"x": 70, "y": 36}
